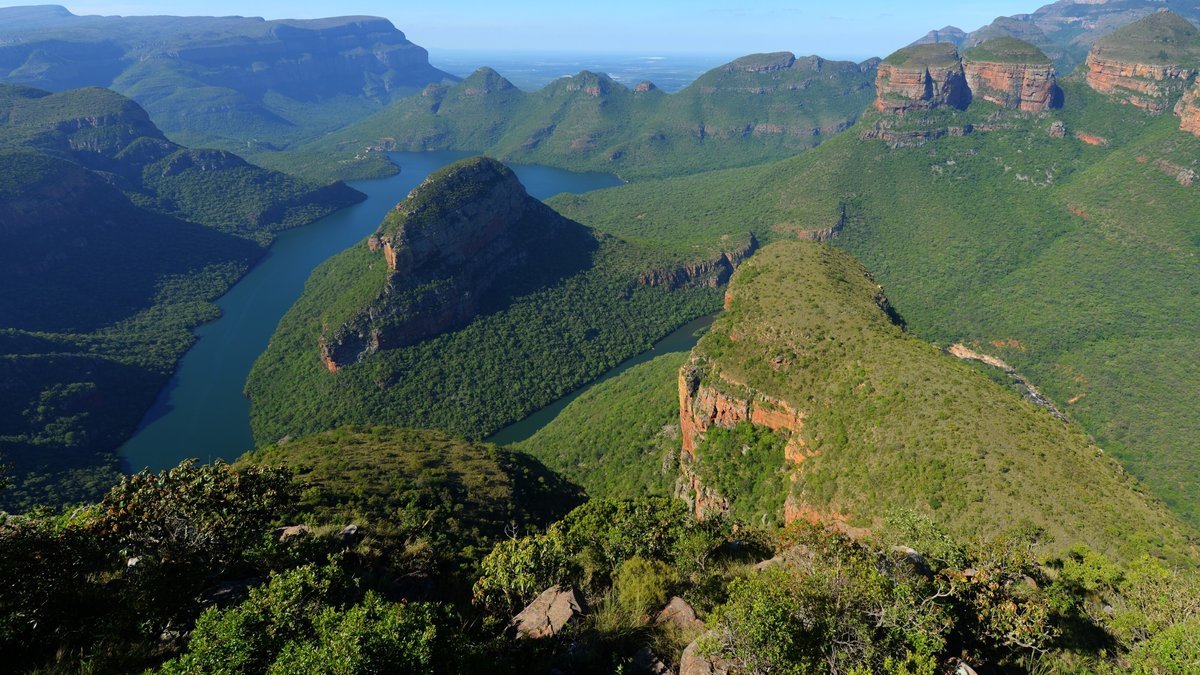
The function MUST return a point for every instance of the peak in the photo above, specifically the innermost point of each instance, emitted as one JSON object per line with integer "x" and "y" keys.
{"x": 645, "y": 86}
{"x": 762, "y": 63}
{"x": 1006, "y": 50}
{"x": 924, "y": 56}
{"x": 1163, "y": 37}
{"x": 489, "y": 78}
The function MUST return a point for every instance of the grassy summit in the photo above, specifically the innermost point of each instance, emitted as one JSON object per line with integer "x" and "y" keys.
{"x": 1006, "y": 50}
{"x": 890, "y": 422}
{"x": 1162, "y": 38}
{"x": 935, "y": 55}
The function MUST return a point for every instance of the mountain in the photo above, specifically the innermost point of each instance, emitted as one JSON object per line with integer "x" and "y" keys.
{"x": 1147, "y": 63}
{"x": 853, "y": 418}
{"x": 1066, "y": 29}
{"x": 474, "y": 305}
{"x": 762, "y": 106}
{"x": 237, "y": 83}
{"x": 113, "y": 243}
{"x": 1041, "y": 238}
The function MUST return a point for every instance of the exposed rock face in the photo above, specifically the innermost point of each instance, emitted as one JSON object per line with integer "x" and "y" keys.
{"x": 1146, "y": 86}
{"x": 922, "y": 77}
{"x": 1021, "y": 86}
{"x": 547, "y": 615}
{"x": 467, "y": 229}
{"x": 711, "y": 273}
{"x": 705, "y": 401}
{"x": 1146, "y": 63}
{"x": 1188, "y": 110}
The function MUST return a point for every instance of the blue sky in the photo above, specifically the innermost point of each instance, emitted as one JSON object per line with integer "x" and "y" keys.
{"x": 834, "y": 28}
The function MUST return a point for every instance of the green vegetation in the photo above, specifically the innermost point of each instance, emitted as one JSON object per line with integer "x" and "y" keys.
{"x": 1006, "y": 50}
{"x": 941, "y": 54}
{"x": 1163, "y": 38}
{"x": 620, "y": 438}
{"x": 1049, "y": 253}
{"x": 229, "y": 593}
{"x": 578, "y": 303}
{"x": 745, "y": 465}
{"x": 890, "y": 422}
{"x": 757, "y": 108}
{"x": 115, "y": 244}
{"x": 241, "y": 84}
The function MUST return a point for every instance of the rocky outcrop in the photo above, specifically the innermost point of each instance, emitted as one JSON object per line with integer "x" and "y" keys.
{"x": 921, "y": 77}
{"x": 1188, "y": 111}
{"x": 549, "y": 614}
{"x": 467, "y": 229}
{"x": 706, "y": 400}
{"x": 695, "y": 660}
{"x": 1146, "y": 86}
{"x": 1021, "y": 86}
{"x": 1146, "y": 63}
{"x": 712, "y": 273}
{"x": 680, "y": 614}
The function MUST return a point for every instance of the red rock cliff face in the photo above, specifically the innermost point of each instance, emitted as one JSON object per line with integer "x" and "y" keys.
{"x": 900, "y": 89}
{"x": 1021, "y": 86}
{"x": 1148, "y": 87}
{"x": 703, "y": 406}
{"x": 1188, "y": 110}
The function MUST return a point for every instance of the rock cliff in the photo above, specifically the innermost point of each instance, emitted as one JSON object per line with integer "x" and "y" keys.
{"x": 1146, "y": 63}
{"x": 1012, "y": 74}
{"x": 467, "y": 233}
{"x": 711, "y": 273}
{"x": 932, "y": 75}
{"x": 1188, "y": 110}
{"x": 921, "y": 77}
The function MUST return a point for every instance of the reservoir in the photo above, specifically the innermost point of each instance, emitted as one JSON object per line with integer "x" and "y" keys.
{"x": 202, "y": 411}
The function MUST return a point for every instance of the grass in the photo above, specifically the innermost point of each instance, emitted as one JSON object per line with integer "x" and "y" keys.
{"x": 892, "y": 423}
{"x": 1006, "y": 50}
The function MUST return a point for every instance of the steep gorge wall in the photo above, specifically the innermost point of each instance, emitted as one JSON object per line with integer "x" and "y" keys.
{"x": 1021, "y": 86}
{"x": 1146, "y": 86}
{"x": 706, "y": 401}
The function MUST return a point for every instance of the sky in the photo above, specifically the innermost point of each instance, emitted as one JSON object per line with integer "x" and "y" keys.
{"x": 832, "y": 28}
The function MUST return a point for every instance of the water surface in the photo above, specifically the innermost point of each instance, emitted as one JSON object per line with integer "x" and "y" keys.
{"x": 202, "y": 411}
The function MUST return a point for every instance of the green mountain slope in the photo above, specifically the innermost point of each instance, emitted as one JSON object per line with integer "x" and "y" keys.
{"x": 876, "y": 420}
{"x": 620, "y": 438}
{"x": 113, "y": 243}
{"x": 756, "y": 108}
{"x": 472, "y": 306}
{"x": 1053, "y": 253}
{"x": 240, "y": 84}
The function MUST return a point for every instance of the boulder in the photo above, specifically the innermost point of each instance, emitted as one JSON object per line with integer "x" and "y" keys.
{"x": 693, "y": 662}
{"x": 349, "y": 535}
{"x": 680, "y": 614}
{"x": 292, "y": 532}
{"x": 548, "y": 614}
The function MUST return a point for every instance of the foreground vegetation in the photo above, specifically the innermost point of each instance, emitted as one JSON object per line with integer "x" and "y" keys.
{"x": 227, "y": 593}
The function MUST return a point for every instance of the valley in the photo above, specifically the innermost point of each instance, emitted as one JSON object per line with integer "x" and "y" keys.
{"x": 317, "y": 357}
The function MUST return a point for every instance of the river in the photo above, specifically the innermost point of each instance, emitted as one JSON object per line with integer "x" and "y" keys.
{"x": 682, "y": 340}
{"x": 202, "y": 411}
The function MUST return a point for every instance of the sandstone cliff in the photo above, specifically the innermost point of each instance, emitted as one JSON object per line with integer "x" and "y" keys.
{"x": 711, "y": 273}
{"x": 1012, "y": 74}
{"x": 921, "y": 77}
{"x": 1146, "y": 63}
{"x": 1188, "y": 110}
{"x": 468, "y": 232}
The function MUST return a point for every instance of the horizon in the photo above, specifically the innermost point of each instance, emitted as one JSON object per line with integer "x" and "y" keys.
{"x": 852, "y": 30}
